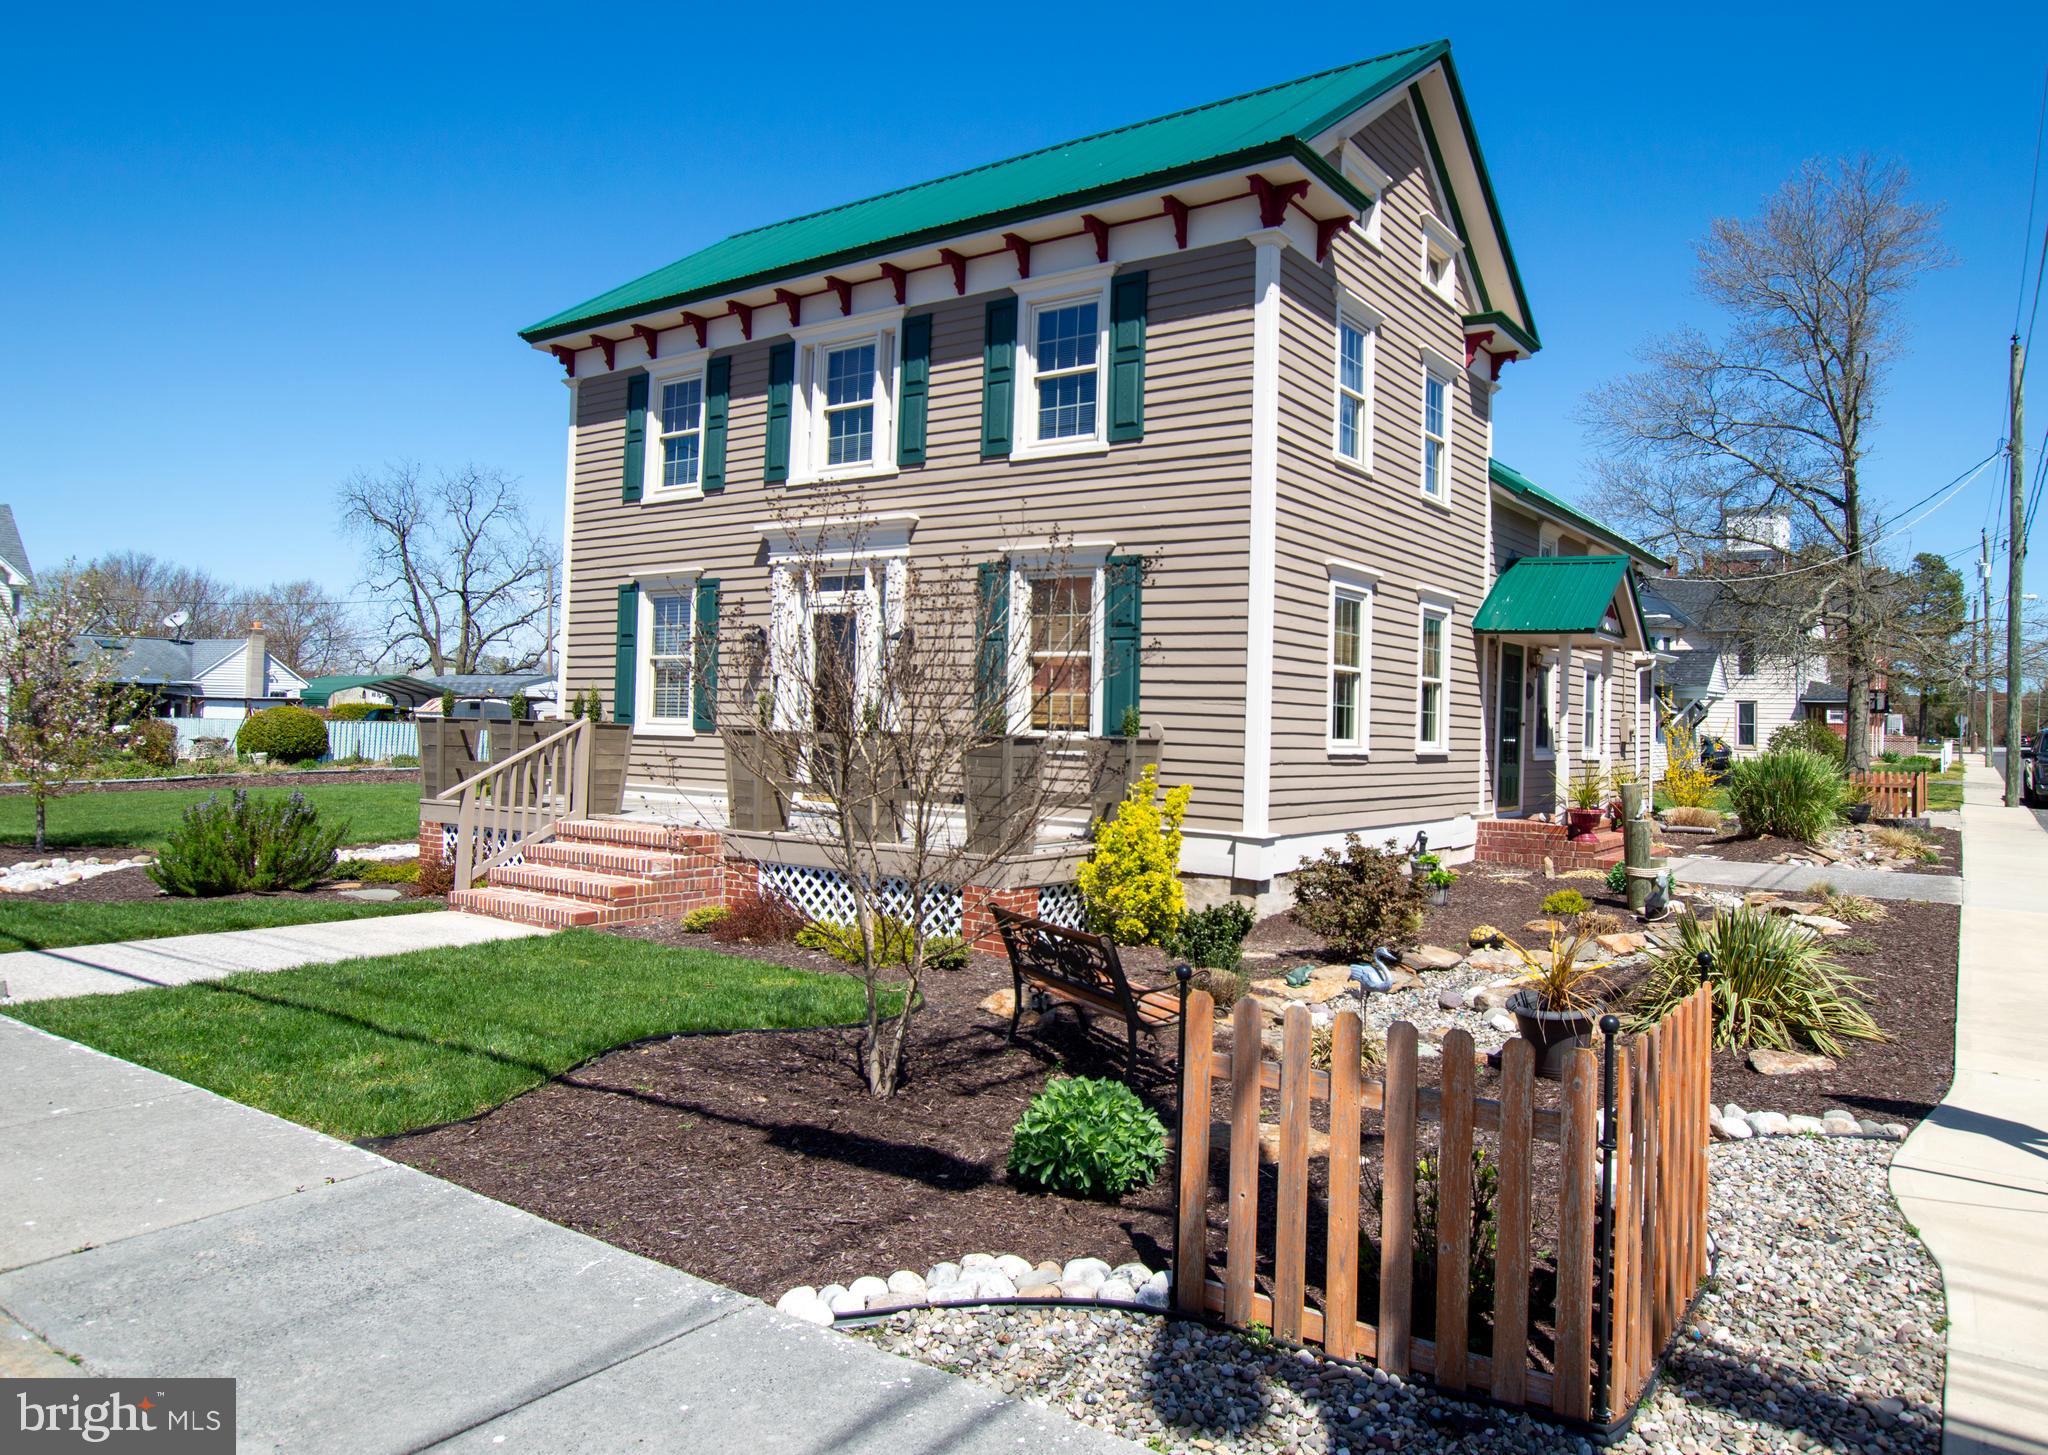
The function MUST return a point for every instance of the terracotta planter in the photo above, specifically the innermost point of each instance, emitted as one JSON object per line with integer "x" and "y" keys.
{"x": 1555, "y": 1034}
{"x": 1584, "y": 822}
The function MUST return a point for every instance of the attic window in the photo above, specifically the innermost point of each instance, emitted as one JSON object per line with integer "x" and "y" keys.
{"x": 1440, "y": 248}
{"x": 1361, "y": 172}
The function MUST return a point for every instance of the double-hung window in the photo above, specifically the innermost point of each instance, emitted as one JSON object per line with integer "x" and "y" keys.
{"x": 1745, "y": 724}
{"x": 846, "y": 389}
{"x": 1063, "y": 364}
{"x": 1546, "y": 677}
{"x": 1357, "y": 350}
{"x": 1590, "y": 719}
{"x": 1062, "y": 646}
{"x": 849, "y": 405}
{"x": 1432, "y": 706}
{"x": 1436, "y": 434}
{"x": 681, "y": 431}
{"x": 1347, "y": 667}
{"x": 668, "y": 656}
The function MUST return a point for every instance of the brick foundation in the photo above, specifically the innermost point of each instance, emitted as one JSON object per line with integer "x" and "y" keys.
{"x": 1525, "y": 843}
{"x": 977, "y": 918}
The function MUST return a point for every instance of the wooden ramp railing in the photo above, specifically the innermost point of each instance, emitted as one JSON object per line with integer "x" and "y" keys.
{"x": 519, "y": 800}
{"x": 1625, "y": 1267}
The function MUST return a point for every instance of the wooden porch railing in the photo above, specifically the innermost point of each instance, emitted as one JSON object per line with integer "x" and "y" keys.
{"x": 519, "y": 800}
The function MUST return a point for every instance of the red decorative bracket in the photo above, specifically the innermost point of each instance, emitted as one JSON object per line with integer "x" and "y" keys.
{"x": 565, "y": 356}
{"x": 845, "y": 291}
{"x": 744, "y": 312}
{"x": 1274, "y": 197}
{"x": 1021, "y": 246}
{"x": 1178, "y": 211}
{"x": 958, "y": 264}
{"x": 651, "y": 337}
{"x": 610, "y": 347}
{"x": 898, "y": 279}
{"x": 1327, "y": 229}
{"x": 1497, "y": 362}
{"x": 1474, "y": 342}
{"x": 697, "y": 324}
{"x": 1099, "y": 230}
{"x": 793, "y": 303}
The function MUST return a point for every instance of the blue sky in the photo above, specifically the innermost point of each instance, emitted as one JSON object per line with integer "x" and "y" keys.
{"x": 251, "y": 251}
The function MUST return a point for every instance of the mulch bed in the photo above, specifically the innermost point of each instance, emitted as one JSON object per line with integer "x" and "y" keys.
{"x": 239, "y": 780}
{"x": 1763, "y": 849}
{"x": 123, "y": 885}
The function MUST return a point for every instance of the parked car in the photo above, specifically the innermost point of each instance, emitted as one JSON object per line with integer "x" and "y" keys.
{"x": 2031, "y": 755}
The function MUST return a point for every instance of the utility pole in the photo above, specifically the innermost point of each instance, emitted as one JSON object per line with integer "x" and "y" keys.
{"x": 2016, "y": 563}
{"x": 1983, "y": 653}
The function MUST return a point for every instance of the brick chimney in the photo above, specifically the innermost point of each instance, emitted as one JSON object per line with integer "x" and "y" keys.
{"x": 255, "y": 664}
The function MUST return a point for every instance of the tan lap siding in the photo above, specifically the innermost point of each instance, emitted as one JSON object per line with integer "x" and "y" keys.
{"x": 1179, "y": 496}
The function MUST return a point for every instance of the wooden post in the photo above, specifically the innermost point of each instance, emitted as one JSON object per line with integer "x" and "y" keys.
{"x": 1191, "y": 1268}
{"x": 1397, "y": 1201}
{"x": 1579, "y": 1170}
{"x": 1511, "y": 1270}
{"x": 1340, "y": 1279}
{"x": 1241, "y": 1245}
{"x": 1290, "y": 1218}
{"x": 1454, "y": 1212}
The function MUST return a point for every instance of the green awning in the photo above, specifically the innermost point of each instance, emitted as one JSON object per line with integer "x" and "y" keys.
{"x": 1564, "y": 596}
{"x": 402, "y": 690}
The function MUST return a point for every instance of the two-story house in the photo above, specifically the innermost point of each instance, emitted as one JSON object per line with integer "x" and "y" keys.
{"x": 1255, "y": 344}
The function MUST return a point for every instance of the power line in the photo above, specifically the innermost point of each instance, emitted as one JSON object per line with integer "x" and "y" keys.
{"x": 2033, "y": 194}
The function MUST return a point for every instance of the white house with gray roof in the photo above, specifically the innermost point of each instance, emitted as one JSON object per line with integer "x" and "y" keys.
{"x": 15, "y": 573}
{"x": 224, "y": 678}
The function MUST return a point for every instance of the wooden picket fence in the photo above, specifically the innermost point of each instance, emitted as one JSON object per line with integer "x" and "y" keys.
{"x": 1894, "y": 793}
{"x": 1657, "y": 1237}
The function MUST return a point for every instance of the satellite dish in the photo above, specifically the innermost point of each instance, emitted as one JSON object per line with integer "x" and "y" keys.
{"x": 177, "y": 619}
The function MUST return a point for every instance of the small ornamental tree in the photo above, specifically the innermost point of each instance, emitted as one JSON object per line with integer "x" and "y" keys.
{"x": 59, "y": 700}
{"x": 1131, "y": 883}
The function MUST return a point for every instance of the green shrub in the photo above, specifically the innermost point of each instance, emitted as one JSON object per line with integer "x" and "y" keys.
{"x": 1788, "y": 793}
{"x": 1813, "y": 735}
{"x": 1565, "y": 902}
{"x": 405, "y": 760}
{"x": 1617, "y": 879}
{"x": 378, "y": 871}
{"x": 447, "y": 706}
{"x": 152, "y": 742}
{"x": 842, "y": 941}
{"x": 1213, "y": 938}
{"x": 1914, "y": 763}
{"x": 246, "y": 844}
{"x": 353, "y": 711}
{"x": 1087, "y": 1137}
{"x": 1130, "y": 884}
{"x": 947, "y": 952}
{"x": 703, "y": 917}
{"x": 1225, "y": 987}
{"x": 1359, "y": 900}
{"x": 519, "y": 707}
{"x": 1322, "y": 1048}
{"x": 285, "y": 734}
{"x": 1485, "y": 1240}
{"x": 1772, "y": 985}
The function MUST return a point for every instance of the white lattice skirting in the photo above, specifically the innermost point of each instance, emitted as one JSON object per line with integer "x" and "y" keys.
{"x": 483, "y": 846}
{"x": 1060, "y": 904}
{"x": 825, "y": 894}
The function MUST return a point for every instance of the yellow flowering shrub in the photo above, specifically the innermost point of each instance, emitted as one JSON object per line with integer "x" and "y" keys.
{"x": 1131, "y": 883}
{"x": 1686, "y": 781}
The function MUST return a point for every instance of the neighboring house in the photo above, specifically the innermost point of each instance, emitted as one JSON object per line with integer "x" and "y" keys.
{"x": 16, "y": 576}
{"x": 1255, "y": 344}
{"x": 1719, "y": 683}
{"x": 221, "y": 678}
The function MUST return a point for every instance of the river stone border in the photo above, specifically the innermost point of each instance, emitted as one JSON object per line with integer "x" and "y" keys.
{"x": 1732, "y": 1124}
{"x": 980, "y": 1278}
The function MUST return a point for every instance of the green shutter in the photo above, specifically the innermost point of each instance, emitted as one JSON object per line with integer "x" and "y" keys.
{"x": 635, "y": 469}
{"x": 717, "y": 405}
{"x": 628, "y": 655}
{"x": 1127, "y": 297}
{"x": 1122, "y": 628}
{"x": 704, "y": 681}
{"x": 781, "y": 377}
{"x": 998, "y": 377}
{"x": 992, "y": 653}
{"x": 917, "y": 375}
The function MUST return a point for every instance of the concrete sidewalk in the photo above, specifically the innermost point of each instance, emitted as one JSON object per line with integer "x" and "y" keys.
{"x": 146, "y": 964}
{"x": 1974, "y": 1176}
{"x": 1794, "y": 878}
{"x": 150, "y": 1228}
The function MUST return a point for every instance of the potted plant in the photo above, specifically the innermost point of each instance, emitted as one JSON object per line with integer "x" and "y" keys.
{"x": 1856, "y": 802}
{"x": 1585, "y": 813}
{"x": 1117, "y": 760}
{"x": 1559, "y": 1000}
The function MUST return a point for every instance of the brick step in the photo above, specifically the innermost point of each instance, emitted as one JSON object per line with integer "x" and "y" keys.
{"x": 526, "y": 907}
{"x": 622, "y": 832}
{"x": 607, "y": 858}
{"x": 583, "y": 884}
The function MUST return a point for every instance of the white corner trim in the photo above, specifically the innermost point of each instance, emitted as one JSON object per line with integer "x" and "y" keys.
{"x": 1348, "y": 573}
{"x": 1262, "y": 546}
{"x": 562, "y": 602}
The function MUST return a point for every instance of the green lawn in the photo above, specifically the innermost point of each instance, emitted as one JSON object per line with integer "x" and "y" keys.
{"x": 1717, "y": 799}
{"x": 1945, "y": 790}
{"x": 26, "y": 924}
{"x": 373, "y": 1047}
{"x": 376, "y": 813}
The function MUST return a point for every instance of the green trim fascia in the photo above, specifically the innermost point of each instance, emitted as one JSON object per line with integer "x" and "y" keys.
{"x": 1500, "y": 227}
{"x": 1292, "y": 149}
{"x": 1506, "y": 325}
{"x": 1443, "y": 177}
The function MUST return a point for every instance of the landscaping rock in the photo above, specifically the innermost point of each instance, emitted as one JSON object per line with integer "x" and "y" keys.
{"x": 942, "y": 1273}
{"x": 1038, "y": 1288}
{"x": 1820, "y": 924}
{"x": 1403, "y": 979}
{"x": 1012, "y": 1267}
{"x": 849, "y": 1302}
{"x": 977, "y": 1260}
{"x": 1431, "y": 957}
{"x": 1496, "y": 995}
{"x": 1787, "y": 1063}
{"x": 1090, "y": 1271}
{"x": 1137, "y": 1275}
{"x": 903, "y": 1281}
{"x": 1543, "y": 928}
{"x": 1157, "y": 1291}
{"x": 1624, "y": 943}
{"x": 1116, "y": 1290}
{"x": 1769, "y": 1123}
{"x": 867, "y": 1288}
{"x": 1808, "y": 1126}
{"x": 1493, "y": 961}
{"x": 1048, "y": 1272}
{"x": 1454, "y": 998}
{"x": 1500, "y": 1020}
{"x": 1000, "y": 1004}
{"x": 1732, "y": 1129}
{"x": 1077, "y": 1288}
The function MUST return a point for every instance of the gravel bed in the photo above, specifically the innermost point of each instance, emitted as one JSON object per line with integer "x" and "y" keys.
{"x": 1818, "y": 1333}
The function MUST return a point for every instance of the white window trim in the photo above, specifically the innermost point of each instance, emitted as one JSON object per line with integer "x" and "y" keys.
{"x": 1444, "y": 612}
{"x": 1356, "y": 311}
{"x": 1363, "y": 585}
{"x": 1756, "y": 723}
{"x": 1436, "y": 366}
{"x": 1080, "y": 285}
{"x": 1024, "y": 569}
{"x": 807, "y": 436}
{"x": 681, "y": 582}
{"x": 1547, "y": 540}
{"x": 1593, "y": 713}
{"x": 1367, "y": 176}
{"x": 1546, "y": 706}
{"x": 1439, "y": 237}
{"x": 670, "y": 371}
{"x": 793, "y": 603}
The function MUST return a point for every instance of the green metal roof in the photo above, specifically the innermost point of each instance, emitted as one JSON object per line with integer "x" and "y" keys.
{"x": 1516, "y": 483}
{"x": 1555, "y": 595}
{"x": 1259, "y": 125}
{"x": 318, "y": 690}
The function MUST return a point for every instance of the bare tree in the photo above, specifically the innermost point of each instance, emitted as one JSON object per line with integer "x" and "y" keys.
{"x": 462, "y": 569}
{"x": 1779, "y": 411}
{"x": 307, "y": 628}
{"x": 61, "y": 701}
{"x": 870, "y": 699}
{"x": 136, "y": 594}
